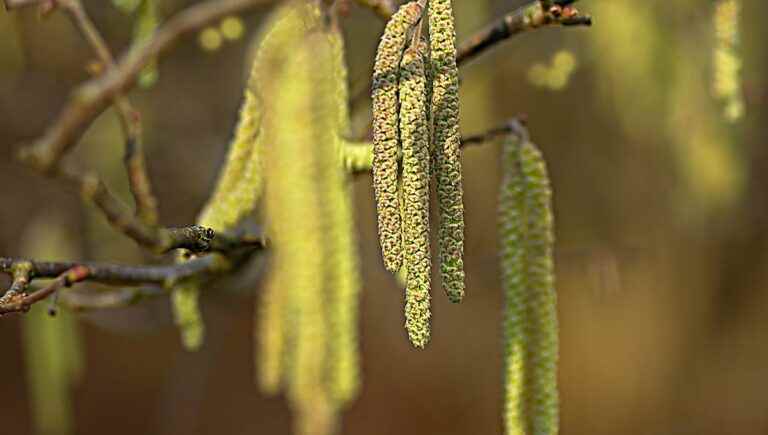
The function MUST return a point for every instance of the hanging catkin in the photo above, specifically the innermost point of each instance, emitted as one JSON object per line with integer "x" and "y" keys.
{"x": 447, "y": 143}
{"x": 530, "y": 324}
{"x": 290, "y": 199}
{"x": 241, "y": 181}
{"x": 296, "y": 221}
{"x": 343, "y": 284}
{"x": 727, "y": 58}
{"x": 414, "y": 135}
{"x": 385, "y": 131}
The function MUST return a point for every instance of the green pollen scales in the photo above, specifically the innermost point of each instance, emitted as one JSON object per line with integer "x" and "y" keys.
{"x": 447, "y": 147}
{"x": 414, "y": 135}
{"x": 530, "y": 323}
{"x": 433, "y": 122}
{"x": 386, "y": 132}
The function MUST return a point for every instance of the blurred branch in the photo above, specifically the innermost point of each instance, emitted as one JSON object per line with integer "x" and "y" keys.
{"x": 383, "y": 8}
{"x": 16, "y": 4}
{"x": 91, "y": 99}
{"x": 103, "y": 300}
{"x": 130, "y": 118}
{"x": 529, "y": 17}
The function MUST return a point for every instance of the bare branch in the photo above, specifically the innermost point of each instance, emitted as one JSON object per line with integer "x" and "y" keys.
{"x": 383, "y": 8}
{"x": 532, "y": 16}
{"x": 22, "y": 302}
{"x": 130, "y": 119}
{"x": 17, "y": 4}
{"x": 68, "y": 273}
{"x": 92, "y": 98}
{"x": 89, "y": 300}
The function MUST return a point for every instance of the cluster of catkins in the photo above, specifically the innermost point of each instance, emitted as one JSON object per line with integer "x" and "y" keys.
{"x": 416, "y": 129}
{"x": 530, "y": 324}
{"x": 289, "y": 148}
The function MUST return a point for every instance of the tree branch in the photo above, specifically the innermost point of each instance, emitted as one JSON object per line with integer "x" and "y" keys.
{"x": 529, "y": 17}
{"x": 68, "y": 273}
{"x": 130, "y": 118}
{"x": 91, "y": 99}
{"x": 383, "y": 8}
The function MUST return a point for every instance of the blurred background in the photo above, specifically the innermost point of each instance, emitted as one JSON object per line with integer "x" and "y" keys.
{"x": 660, "y": 173}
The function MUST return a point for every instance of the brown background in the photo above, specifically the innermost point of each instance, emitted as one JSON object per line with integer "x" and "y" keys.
{"x": 662, "y": 234}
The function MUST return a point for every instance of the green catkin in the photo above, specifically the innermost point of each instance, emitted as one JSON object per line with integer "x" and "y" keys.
{"x": 302, "y": 125}
{"x": 447, "y": 145}
{"x": 240, "y": 184}
{"x": 385, "y": 131}
{"x": 147, "y": 21}
{"x": 530, "y": 324}
{"x": 241, "y": 181}
{"x": 344, "y": 281}
{"x": 414, "y": 136}
{"x": 727, "y": 59}
{"x": 53, "y": 352}
{"x": 273, "y": 330}
{"x": 185, "y": 300}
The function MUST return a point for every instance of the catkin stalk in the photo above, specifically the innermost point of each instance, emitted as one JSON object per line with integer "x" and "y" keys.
{"x": 414, "y": 135}
{"x": 530, "y": 324}
{"x": 385, "y": 131}
{"x": 447, "y": 147}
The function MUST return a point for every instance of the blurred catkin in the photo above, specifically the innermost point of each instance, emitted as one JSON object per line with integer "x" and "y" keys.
{"x": 727, "y": 59}
{"x": 344, "y": 280}
{"x": 185, "y": 300}
{"x": 241, "y": 180}
{"x": 530, "y": 324}
{"x": 385, "y": 131}
{"x": 447, "y": 147}
{"x": 52, "y": 345}
{"x": 308, "y": 319}
{"x": 414, "y": 134}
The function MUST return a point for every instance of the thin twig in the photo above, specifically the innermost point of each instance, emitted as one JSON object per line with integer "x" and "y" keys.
{"x": 383, "y": 8}
{"x": 529, "y": 17}
{"x": 89, "y": 300}
{"x": 23, "y": 302}
{"x": 91, "y": 99}
{"x": 17, "y": 4}
{"x": 68, "y": 273}
{"x": 130, "y": 118}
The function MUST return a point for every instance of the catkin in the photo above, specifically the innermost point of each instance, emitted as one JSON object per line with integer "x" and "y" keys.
{"x": 344, "y": 282}
{"x": 241, "y": 181}
{"x": 447, "y": 143}
{"x": 414, "y": 135}
{"x": 727, "y": 58}
{"x": 530, "y": 324}
{"x": 385, "y": 131}
{"x": 185, "y": 300}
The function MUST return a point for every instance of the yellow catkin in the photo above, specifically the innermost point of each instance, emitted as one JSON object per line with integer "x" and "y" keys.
{"x": 356, "y": 156}
{"x": 185, "y": 300}
{"x": 302, "y": 126}
{"x": 727, "y": 59}
{"x": 240, "y": 183}
{"x": 285, "y": 31}
{"x": 344, "y": 280}
{"x": 52, "y": 345}
{"x": 447, "y": 145}
{"x": 385, "y": 131}
{"x": 414, "y": 135}
{"x": 530, "y": 323}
